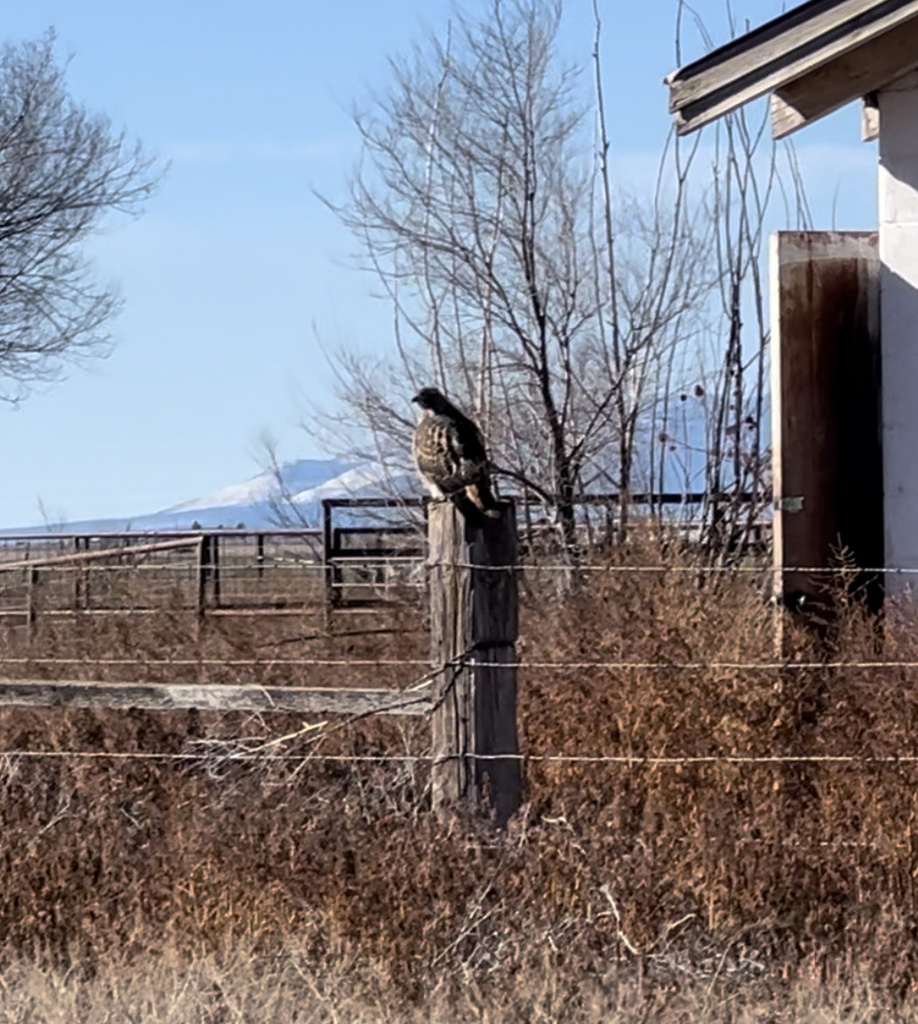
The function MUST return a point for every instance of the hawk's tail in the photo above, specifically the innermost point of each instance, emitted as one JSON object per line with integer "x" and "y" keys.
{"x": 482, "y": 497}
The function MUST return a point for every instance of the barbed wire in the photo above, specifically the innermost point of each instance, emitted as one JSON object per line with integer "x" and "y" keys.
{"x": 471, "y": 662}
{"x": 695, "y": 666}
{"x": 772, "y": 841}
{"x": 691, "y": 569}
{"x": 230, "y": 663}
{"x": 357, "y": 561}
{"x": 628, "y": 760}
{"x": 193, "y": 568}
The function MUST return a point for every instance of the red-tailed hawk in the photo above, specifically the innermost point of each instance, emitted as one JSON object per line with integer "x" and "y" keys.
{"x": 450, "y": 455}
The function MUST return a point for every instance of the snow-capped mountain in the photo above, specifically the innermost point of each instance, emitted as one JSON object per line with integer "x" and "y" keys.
{"x": 297, "y": 477}
{"x": 253, "y": 504}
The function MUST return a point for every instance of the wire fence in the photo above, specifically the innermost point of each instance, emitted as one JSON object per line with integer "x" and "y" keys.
{"x": 216, "y": 575}
{"x": 155, "y": 587}
{"x": 627, "y": 760}
{"x": 622, "y": 666}
{"x": 254, "y": 571}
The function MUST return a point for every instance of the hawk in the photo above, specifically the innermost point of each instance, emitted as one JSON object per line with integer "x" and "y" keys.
{"x": 450, "y": 455}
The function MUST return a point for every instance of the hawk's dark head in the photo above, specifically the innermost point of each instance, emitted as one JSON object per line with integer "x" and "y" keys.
{"x": 433, "y": 399}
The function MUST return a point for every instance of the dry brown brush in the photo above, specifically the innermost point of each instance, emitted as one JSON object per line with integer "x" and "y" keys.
{"x": 690, "y": 879}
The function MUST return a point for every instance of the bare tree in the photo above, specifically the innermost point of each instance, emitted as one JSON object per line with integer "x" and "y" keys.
{"x": 476, "y": 207}
{"x": 62, "y": 169}
{"x": 653, "y": 278}
{"x": 604, "y": 340}
{"x": 731, "y": 390}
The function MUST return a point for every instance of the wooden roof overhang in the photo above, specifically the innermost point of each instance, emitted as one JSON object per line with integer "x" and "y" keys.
{"x": 813, "y": 60}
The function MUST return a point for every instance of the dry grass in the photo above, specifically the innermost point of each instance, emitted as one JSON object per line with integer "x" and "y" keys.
{"x": 624, "y": 892}
{"x": 245, "y": 988}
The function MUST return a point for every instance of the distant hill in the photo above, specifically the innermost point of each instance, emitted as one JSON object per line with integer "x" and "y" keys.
{"x": 249, "y": 504}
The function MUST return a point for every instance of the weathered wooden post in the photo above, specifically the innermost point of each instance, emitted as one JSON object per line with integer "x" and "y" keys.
{"x": 80, "y": 574}
{"x": 474, "y": 617}
{"x": 208, "y": 572}
{"x": 30, "y": 605}
{"x": 826, "y": 421}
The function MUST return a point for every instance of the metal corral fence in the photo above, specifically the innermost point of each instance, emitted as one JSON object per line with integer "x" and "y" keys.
{"x": 128, "y": 573}
{"x": 232, "y": 572}
{"x": 363, "y": 557}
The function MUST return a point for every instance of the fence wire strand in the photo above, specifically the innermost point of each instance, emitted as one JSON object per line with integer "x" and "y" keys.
{"x": 356, "y": 561}
{"x": 628, "y": 760}
{"x": 583, "y": 666}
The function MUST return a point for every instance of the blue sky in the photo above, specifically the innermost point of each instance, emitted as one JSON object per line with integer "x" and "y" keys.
{"x": 236, "y": 269}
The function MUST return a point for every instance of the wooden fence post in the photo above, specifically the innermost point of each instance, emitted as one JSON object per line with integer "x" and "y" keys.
{"x": 474, "y": 616}
{"x": 80, "y": 574}
{"x": 30, "y": 605}
{"x": 209, "y": 573}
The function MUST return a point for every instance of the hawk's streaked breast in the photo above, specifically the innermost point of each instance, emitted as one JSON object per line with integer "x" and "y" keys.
{"x": 450, "y": 454}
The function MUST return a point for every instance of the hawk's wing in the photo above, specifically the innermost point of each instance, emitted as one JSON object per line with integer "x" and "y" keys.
{"x": 466, "y": 444}
{"x": 449, "y": 452}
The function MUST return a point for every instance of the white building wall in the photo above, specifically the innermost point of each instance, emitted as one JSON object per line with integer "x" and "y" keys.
{"x": 898, "y": 207}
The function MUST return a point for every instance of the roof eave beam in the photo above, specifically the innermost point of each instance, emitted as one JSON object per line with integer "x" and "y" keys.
{"x": 853, "y": 74}
{"x": 699, "y": 98}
